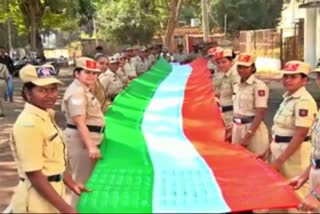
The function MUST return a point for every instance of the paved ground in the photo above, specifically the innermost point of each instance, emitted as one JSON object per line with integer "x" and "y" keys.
{"x": 8, "y": 174}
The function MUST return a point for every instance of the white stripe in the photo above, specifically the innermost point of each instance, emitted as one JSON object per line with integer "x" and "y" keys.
{"x": 183, "y": 182}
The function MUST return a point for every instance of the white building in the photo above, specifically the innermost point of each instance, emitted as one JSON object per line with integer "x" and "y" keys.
{"x": 309, "y": 10}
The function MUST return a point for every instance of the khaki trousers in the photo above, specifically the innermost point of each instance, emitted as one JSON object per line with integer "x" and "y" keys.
{"x": 293, "y": 167}
{"x": 27, "y": 200}
{"x": 81, "y": 165}
{"x": 259, "y": 141}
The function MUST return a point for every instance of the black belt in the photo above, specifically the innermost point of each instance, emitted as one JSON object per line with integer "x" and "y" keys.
{"x": 98, "y": 129}
{"x": 315, "y": 163}
{"x": 243, "y": 120}
{"x": 51, "y": 178}
{"x": 2, "y": 78}
{"x": 226, "y": 108}
{"x": 287, "y": 139}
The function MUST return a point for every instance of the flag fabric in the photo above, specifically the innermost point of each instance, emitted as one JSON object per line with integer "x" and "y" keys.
{"x": 164, "y": 151}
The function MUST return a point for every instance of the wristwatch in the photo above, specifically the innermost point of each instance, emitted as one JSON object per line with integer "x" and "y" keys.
{"x": 315, "y": 194}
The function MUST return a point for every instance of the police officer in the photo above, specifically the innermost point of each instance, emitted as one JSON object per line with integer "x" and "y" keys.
{"x": 39, "y": 148}
{"x": 216, "y": 75}
{"x": 120, "y": 72}
{"x": 111, "y": 82}
{"x": 98, "y": 89}
{"x": 224, "y": 60}
{"x": 290, "y": 146}
{"x": 85, "y": 121}
{"x": 180, "y": 56}
{"x": 312, "y": 201}
{"x": 4, "y": 78}
{"x": 249, "y": 107}
{"x": 142, "y": 63}
{"x": 130, "y": 65}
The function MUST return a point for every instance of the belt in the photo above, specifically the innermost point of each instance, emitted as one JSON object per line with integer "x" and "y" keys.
{"x": 287, "y": 139}
{"x": 315, "y": 163}
{"x": 51, "y": 178}
{"x": 243, "y": 120}
{"x": 98, "y": 129}
{"x": 2, "y": 78}
{"x": 226, "y": 108}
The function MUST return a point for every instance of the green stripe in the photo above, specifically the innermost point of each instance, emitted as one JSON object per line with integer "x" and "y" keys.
{"x": 122, "y": 181}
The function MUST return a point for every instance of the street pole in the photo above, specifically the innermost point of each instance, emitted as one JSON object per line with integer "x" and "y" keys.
{"x": 205, "y": 22}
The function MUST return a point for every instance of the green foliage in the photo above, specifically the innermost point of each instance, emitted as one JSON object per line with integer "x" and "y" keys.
{"x": 128, "y": 22}
{"x": 246, "y": 14}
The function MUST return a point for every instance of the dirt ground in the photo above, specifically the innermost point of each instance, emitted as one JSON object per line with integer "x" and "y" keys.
{"x": 8, "y": 173}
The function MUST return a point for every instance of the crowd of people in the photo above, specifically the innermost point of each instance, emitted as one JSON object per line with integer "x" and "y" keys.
{"x": 52, "y": 159}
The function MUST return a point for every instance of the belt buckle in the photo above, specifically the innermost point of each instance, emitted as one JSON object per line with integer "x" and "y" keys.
{"x": 237, "y": 121}
{"x": 313, "y": 162}
{"x": 102, "y": 129}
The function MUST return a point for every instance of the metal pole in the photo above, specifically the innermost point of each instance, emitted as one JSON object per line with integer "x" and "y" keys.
{"x": 205, "y": 22}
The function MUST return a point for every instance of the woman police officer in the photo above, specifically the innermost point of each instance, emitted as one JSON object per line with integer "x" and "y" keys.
{"x": 250, "y": 101}
{"x": 39, "y": 149}
{"x": 224, "y": 61}
{"x": 290, "y": 146}
{"x": 85, "y": 121}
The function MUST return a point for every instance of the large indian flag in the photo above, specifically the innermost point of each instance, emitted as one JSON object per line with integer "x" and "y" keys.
{"x": 165, "y": 152}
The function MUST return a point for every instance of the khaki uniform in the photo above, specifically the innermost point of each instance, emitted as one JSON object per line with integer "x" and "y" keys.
{"x": 229, "y": 79}
{"x": 180, "y": 57}
{"x": 112, "y": 83}
{"x": 248, "y": 96}
{"x": 296, "y": 110}
{"x": 123, "y": 77}
{"x": 130, "y": 68}
{"x": 4, "y": 77}
{"x": 142, "y": 65}
{"x": 45, "y": 151}
{"x": 152, "y": 59}
{"x": 101, "y": 95}
{"x": 78, "y": 100}
{"x": 315, "y": 153}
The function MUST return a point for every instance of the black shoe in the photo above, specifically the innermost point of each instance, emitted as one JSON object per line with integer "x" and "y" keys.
{"x": 1, "y": 115}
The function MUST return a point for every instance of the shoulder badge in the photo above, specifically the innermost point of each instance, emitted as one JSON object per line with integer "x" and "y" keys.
{"x": 261, "y": 93}
{"x": 303, "y": 112}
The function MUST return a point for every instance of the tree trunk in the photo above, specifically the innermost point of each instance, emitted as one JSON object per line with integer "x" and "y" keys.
{"x": 175, "y": 8}
{"x": 33, "y": 11}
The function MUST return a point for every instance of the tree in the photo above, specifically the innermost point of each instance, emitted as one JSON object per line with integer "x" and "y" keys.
{"x": 127, "y": 22}
{"x": 33, "y": 17}
{"x": 246, "y": 14}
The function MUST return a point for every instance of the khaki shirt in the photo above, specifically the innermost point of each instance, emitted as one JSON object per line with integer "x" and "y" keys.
{"x": 4, "y": 72}
{"x": 37, "y": 142}
{"x": 229, "y": 79}
{"x": 99, "y": 92}
{"x": 130, "y": 68}
{"x": 152, "y": 59}
{"x": 111, "y": 82}
{"x": 123, "y": 76}
{"x": 78, "y": 100}
{"x": 142, "y": 65}
{"x": 315, "y": 138}
{"x": 250, "y": 95}
{"x": 296, "y": 110}
{"x": 180, "y": 57}
{"x": 217, "y": 78}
